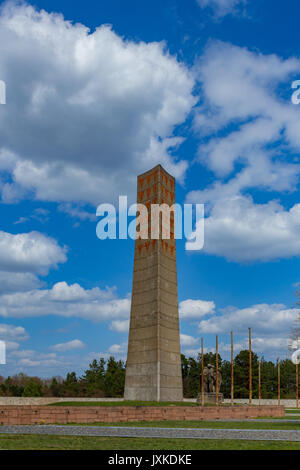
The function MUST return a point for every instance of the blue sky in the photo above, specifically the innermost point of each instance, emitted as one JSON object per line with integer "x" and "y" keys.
{"x": 100, "y": 91}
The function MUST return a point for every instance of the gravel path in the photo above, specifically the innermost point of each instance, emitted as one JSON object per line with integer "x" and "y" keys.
{"x": 182, "y": 433}
{"x": 251, "y": 420}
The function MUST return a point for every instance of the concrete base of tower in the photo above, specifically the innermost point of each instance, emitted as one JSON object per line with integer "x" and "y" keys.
{"x": 151, "y": 394}
{"x": 153, "y": 381}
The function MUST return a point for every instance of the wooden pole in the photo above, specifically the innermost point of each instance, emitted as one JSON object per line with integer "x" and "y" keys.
{"x": 297, "y": 387}
{"x": 217, "y": 372}
{"x": 278, "y": 372}
{"x": 232, "y": 376}
{"x": 259, "y": 382}
{"x": 250, "y": 369}
{"x": 202, "y": 373}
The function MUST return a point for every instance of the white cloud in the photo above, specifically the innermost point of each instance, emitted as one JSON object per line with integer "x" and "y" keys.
{"x": 18, "y": 282}
{"x": 193, "y": 352}
{"x": 271, "y": 325}
{"x": 186, "y": 340}
{"x": 262, "y": 345}
{"x": 77, "y": 212}
{"x": 62, "y": 292}
{"x": 96, "y": 105}
{"x": 241, "y": 230}
{"x": 119, "y": 349}
{"x": 21, "y": 220}
{"x": 247, "y": 125}
{"x": 40, "y": 214}
{"x": 246, "y": 97}
{"x": 11, "y": 332}
{"x": 23, "y": 257}
{"x": 29, "y": 252}
{"x": 223, "y": 7}
{"x": 52, "y": 364}
{"x": 270, "y": 347}
{"x": 66, "y": 301}
{"x": 264, "y": 319}
{"x": 189, "y": 309}
{"x": 69, "y": 346}
{"x": 11, "y": 345}
{"x": 12, "y": 335}
{"x": 121, "y": 326}
{"x": 28, "y": 359}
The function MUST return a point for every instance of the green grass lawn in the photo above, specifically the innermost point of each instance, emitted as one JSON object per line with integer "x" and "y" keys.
{"x": 284, "y": 417}
{"x": 202, "y": 425}
{"x": 122, "y": 403}
{"x": 36, "y": 442}
{"x": 131, "y": 403}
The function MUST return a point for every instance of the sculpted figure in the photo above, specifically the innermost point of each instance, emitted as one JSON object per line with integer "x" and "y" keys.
{"x": 209, "y": 375}
{"x": 219, "y": 381}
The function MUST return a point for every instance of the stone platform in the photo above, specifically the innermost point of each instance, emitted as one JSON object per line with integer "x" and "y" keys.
{"x": 210, "y": 398}
{"x": 15, "y": 415}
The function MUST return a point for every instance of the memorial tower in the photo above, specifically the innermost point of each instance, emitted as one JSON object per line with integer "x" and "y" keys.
{"x": 153, "y": 371}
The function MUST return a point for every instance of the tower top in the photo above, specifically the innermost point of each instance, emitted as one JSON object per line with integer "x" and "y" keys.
{"x": 157, "y": 168}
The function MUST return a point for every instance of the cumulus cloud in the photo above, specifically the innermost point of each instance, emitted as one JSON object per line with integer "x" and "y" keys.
{"x": 69, "y": 346}
{"x": 274, "y": 319}
{"x": 18, "y": 282}
{"x": 45, "y": 364}
{"x": 249, "y": 131}
{"x": 193, "y": 352}
{"x": 40, "y": 214}
{"x": 118, "y": 349}
{"x": 223, "y": 7}
{"x": 271, "y": 325}
{"x": 96, "y": 105}
{"x": 186, "y": 340}
{"x": 121, "y": 326}
{"x": 189, "y": 309}
{"x": 30, "y": 358}
{"x": 246, "y": 96}
{"x": 12, "y": 336}
{"x": 272, "y": 346}
{"x": 243, "y": 231}
{"x": 66, "y": 301}
{"x": 30, "y": 252}
{"x": 77, "y": 212}
{"x": 11, "y": 332}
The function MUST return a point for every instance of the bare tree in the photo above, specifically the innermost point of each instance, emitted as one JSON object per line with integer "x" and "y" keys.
{"x": 294, "y": 338}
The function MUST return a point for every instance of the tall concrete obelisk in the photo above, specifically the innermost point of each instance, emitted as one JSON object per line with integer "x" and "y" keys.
{"x": 153, "y": 371}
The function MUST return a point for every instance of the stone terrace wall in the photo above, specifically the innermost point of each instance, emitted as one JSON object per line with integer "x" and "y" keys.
{"x": 287, "y": 403}
{"x": 48, "y": 400}
{"x": 40, "y": 401}
{"x": 63, "y": 415}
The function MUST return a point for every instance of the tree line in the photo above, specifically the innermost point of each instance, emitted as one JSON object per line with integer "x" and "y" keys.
{"x": 106, "y": 378}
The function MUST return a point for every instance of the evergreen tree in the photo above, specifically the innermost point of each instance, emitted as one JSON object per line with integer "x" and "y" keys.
{"x": 114, "y": 379}
{"x": 70, "y": 385}
{"x": 33, "y": 389}
{"x": 241, "y": 375}
{"x": 93, "y": 379}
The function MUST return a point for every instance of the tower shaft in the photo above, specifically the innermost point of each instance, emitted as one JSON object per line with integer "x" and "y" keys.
{"x": 153, "y": 371}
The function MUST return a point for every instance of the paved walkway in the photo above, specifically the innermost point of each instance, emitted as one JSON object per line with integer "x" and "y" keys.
{"x": 171, "y": 433}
